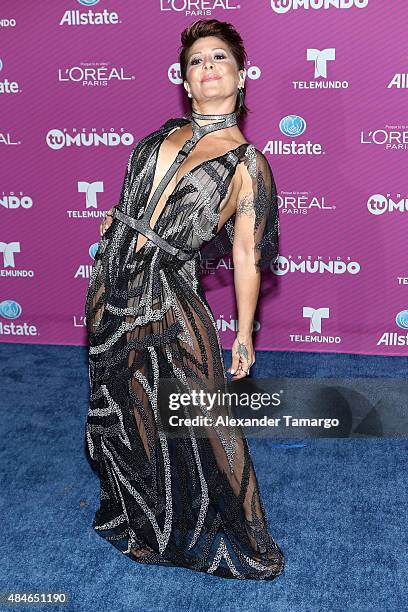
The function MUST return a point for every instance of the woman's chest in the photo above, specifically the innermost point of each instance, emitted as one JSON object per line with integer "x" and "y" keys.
{"x": 176, "y": 161}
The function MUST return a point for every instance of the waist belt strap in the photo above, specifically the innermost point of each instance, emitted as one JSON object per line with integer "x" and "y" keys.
{"x": 142, "y": 226}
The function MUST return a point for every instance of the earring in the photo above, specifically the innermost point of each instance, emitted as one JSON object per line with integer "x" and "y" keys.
{"x": 240, "y": 98}
{"x": 189, "y": 95}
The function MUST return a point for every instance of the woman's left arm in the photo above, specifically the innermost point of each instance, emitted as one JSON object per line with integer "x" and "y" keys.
{"x": 255, "y": 247}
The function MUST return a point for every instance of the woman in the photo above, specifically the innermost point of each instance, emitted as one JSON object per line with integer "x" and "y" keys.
{"x": 194, "y": 188}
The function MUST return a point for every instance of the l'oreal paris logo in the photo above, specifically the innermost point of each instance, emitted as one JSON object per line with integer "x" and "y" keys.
{"x": 7, "y": 139}
{"x": 391, "y": 138}
{"x": 93, "y": 74}
{"x": 196, "y": 8}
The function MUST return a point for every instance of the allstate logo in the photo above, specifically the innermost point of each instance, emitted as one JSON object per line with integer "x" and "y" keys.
{"x": 93, "y": 249}
{"x": 402, "y": 319}
{"x": 292, "y": 125}
{"x": 88, "y": 2}
{"x": 9, "y": 309}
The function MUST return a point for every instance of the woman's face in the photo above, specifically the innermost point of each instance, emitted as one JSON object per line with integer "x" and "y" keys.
{"x": 212, "y": 71}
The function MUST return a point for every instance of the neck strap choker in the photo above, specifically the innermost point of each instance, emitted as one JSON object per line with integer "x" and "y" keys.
{"x": 219, "y": 123}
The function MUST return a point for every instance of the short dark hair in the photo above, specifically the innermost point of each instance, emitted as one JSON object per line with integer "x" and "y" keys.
{"x": 226, "y": 32}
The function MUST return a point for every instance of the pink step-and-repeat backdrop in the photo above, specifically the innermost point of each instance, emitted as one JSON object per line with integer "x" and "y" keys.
{"x": 82, "y": 81}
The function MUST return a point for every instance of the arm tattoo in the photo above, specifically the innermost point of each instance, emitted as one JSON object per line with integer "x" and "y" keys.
{"x": 245, "y": 205}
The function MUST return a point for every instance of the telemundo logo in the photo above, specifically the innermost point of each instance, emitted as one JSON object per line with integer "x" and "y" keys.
{"x": 284, "y": 6}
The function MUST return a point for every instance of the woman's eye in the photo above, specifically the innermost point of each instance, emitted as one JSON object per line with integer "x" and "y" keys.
{"x": 196, "y": 59}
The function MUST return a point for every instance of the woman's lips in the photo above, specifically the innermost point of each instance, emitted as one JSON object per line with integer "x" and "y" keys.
{"x": 210, "y": 78}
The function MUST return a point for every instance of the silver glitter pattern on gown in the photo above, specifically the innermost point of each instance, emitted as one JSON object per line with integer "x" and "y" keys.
{"x": 191, "y": 501}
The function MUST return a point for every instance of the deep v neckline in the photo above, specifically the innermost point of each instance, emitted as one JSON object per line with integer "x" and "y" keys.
{"x": 155, "y": 195}
{"x": 193, "y": 170}
{"x": 181, "y": 179}
{"x": 198, "y": 166}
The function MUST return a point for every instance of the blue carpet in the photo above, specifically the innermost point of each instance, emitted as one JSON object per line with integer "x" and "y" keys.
{"x": 337, "y": 507}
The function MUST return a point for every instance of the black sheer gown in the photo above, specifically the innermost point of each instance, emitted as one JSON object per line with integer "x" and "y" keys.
{"x": 188, "y": 500}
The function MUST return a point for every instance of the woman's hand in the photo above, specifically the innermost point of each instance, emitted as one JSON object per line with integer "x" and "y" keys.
{"x": 243, "y": 355}
{"x": 106, "y": 223}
